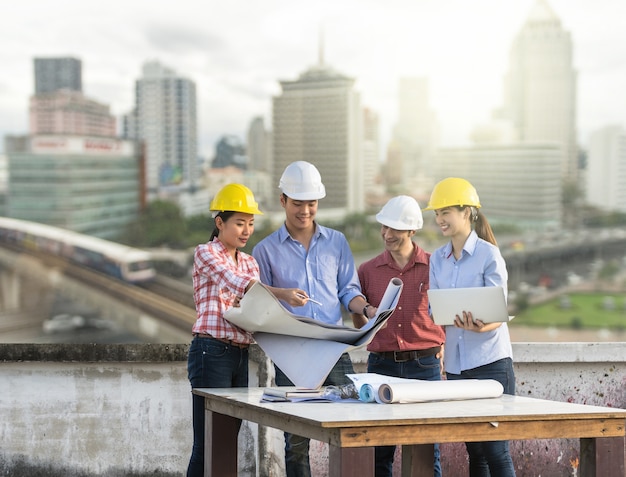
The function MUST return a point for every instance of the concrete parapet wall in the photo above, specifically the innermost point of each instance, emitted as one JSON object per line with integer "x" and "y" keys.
{"x": 88, "y": 410}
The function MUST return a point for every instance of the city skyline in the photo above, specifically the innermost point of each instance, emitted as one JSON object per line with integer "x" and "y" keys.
{"x": 238, "y": 53}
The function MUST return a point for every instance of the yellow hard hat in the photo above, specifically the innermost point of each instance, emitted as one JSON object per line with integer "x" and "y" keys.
{"x": 451, "y": 192}
{"x": 235, "y": 198}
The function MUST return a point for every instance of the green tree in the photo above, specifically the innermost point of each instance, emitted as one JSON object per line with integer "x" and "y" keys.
{"x": 199, "y": 229}
{"x": 160, "y": 224}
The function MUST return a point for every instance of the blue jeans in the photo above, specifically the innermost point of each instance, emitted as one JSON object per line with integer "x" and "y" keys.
{"x": 211, "y": 364}
{"x": 297, "y": 447}
{"x": 492, "y": 458}
{"x": 427, "y": 368}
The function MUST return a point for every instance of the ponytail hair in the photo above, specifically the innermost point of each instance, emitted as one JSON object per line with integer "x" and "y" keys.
{"x": 482, "y": 227}
{"x": 224, "y": 215}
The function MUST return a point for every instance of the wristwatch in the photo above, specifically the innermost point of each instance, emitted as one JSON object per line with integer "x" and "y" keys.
{"x": 365, "y": 310}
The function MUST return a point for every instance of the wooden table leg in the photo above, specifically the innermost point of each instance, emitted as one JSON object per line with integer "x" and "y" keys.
{"x": 350, "y": 461}
{"x": 418, "y": 460}
{"x": 602, "y": 456}
{"x": 220, "y": 445}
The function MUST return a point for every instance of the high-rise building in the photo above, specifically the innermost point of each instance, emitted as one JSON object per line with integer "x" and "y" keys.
{"x": 165, "y": 120}
{"x": 70, "y": 112}
{"x": 318, "y": 118}
{"x": 4, "y": 176}
{"x": 259, "y": 146}
{"x": 54, "y": 74}
{"x": 519, "y": 184}
{"x": 540, "y": 86}
{"x": 606, "y": 169}
{"x": 371, "y": 157}
{"x": 90, "y": 185}
{"x": 416, "y": 133}
{"x": 230, "y": 152}
{"x": 71, "y": 171}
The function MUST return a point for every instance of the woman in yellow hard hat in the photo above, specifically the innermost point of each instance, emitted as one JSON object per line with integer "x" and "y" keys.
{"x": 222, "y": 274}
{"x": 474, "y": 350}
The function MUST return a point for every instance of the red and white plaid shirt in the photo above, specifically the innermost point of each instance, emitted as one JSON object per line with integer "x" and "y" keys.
{"x": 217, "y": 282}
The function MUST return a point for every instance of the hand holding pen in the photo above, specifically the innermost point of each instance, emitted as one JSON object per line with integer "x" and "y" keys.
{"x": 304, "y": 297}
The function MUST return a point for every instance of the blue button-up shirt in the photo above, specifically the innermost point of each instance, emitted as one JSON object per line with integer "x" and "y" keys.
{"x": 480, "y": 265}
{"x": 326, "y": 272}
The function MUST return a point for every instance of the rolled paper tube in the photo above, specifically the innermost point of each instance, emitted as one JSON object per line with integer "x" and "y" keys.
{"x": 367, "y": 393}
{"x": 423, "y": 391}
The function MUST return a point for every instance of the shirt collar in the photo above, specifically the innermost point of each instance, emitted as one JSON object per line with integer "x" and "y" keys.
{"x": 283, "y": 233}
{"x": 469, "y": 246}
{"x": 221, "y": 248}
{"x": 419, "y": 256}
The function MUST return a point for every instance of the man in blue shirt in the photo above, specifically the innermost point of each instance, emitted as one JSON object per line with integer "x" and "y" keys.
{"x": 316, "y": 259}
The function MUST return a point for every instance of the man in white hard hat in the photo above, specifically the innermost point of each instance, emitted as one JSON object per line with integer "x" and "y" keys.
{"x": 316, "y": 259}
{"x": 410, "y": 346}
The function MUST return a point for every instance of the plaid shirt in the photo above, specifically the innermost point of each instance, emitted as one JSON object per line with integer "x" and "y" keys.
{"x": 217, "y": 281}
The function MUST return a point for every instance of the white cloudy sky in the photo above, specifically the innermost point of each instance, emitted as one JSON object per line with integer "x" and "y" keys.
{"x": 237, "y": 50}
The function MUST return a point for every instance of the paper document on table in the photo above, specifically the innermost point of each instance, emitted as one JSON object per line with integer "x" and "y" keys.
{"x": 387, "y": 389}
{"x": 304, "y": 349}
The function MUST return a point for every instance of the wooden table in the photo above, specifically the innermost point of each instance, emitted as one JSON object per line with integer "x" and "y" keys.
{"x": 352, "y": 428}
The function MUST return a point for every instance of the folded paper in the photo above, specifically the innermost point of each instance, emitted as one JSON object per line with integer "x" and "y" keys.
{"x": 305, "y": 349}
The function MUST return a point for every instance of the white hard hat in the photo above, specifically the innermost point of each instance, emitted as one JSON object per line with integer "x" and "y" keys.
{"x": 302, "y": 181}
{"x": 401, "y": 213}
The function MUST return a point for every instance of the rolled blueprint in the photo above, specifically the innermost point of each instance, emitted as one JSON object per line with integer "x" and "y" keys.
{"x": 369, "y": 393}
{"x": 423, "y": 391}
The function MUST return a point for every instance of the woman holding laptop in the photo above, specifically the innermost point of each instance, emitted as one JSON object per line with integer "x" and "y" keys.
{"x": 474, "y": 349}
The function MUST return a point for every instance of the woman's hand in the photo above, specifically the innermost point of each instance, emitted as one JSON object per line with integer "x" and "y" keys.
{"x": 467, "y": 322}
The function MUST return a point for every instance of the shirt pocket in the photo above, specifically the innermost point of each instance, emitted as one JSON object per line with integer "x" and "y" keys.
{"x": 326, "y": 267}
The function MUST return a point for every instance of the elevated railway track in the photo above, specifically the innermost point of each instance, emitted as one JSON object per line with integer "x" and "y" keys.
{"x": 164, "y": 299}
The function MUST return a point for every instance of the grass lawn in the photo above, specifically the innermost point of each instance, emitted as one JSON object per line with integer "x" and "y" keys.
{"x": 584, "y": 310}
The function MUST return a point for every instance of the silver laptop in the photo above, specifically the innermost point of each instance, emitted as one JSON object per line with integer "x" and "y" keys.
{"x": 487, "y": 304}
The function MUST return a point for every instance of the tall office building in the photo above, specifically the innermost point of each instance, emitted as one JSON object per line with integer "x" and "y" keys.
{"x": 540, "y": 86}
{"x": 54, "y": 74}
{"x": 519, "y": 184}
{"x": 90, "y": 185}
{"x": 259, "y": 146}
{"x": 317, "y": 118}
{"x": 165, "y": 120}
{"x": 230, "y": 152}
{"x": 371, "y": 157}
{"x": 416, "y": 133}
{"x": 606, "y": 169}
{"x": 70, "y": 112}
{"x": 4, "y": 177}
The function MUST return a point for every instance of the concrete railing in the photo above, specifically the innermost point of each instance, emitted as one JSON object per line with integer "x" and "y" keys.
{"x": 116, "y": 410}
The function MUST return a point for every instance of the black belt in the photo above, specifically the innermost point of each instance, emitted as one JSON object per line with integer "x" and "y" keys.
{"x": 221, "y": 340}
{"x": 402, "y": 356}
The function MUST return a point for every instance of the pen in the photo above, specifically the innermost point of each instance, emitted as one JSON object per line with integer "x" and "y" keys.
{"x": 310, "y": 299}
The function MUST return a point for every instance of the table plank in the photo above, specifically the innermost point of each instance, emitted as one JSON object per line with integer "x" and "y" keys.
{"x": 481, "y": 431}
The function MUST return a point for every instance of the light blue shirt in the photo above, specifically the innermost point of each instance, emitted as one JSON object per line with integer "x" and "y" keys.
{"x": 327, "y": 272}
{"x": 480, "y": 265}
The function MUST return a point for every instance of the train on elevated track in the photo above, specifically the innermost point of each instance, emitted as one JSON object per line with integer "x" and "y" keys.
{"x": 129, "y": 264}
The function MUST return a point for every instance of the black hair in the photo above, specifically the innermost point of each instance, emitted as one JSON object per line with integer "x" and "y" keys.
{"x": 224, "y": 215}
